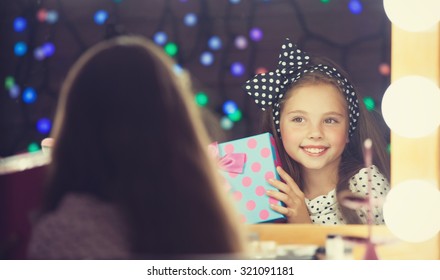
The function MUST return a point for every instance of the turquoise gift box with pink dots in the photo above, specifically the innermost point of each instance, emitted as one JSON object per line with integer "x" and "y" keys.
{"x": 247, "y": 180}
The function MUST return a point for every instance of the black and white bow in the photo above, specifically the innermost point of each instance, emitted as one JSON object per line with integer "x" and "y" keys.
{"x": 268, "y": 89}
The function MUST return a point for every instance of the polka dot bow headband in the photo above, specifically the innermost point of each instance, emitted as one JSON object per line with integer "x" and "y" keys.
{"x": 268, "y": 89}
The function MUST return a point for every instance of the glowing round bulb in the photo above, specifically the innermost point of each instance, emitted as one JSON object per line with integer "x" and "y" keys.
{"x": 201, "y": 99}
{"x": 260, "y": 70}
{"x": 160, "y": 38}
{"x": 226, "y": 123}
{"x": 236, "y": 116}
{"x": 407, "y": 207}
{"x": 52, "y": 17}
{"x": 229, "y": 107}
{"x": 413, "y": 15}
{"x": 369, "y": 102}
{"x": 325, "y": 1}
{"x": 190, "y": 19}
{"x": 39, "y": 54}
{"x": 241, "y": 42}
{"x": 355, "y": 7}
{"x": 237, "y": 69}
{"x": 256, "y": 34}
{"x": 384, "y": 69}
{"x": 48, "y": 49}
{"x": 100, "y": 17}
{"x": 44, "y": 125}
{"x": 33, "y": 147}
{"x": 20, "y": 24}
{"x": 234, "y": 1}
{"x": 9, "y": 82}
{"x": 14, "y": 91}
{"x": 42, "y": 15}
{"x": 410, "y": 106}
{"x": 215, "y": 43}
{"x": 29, "y": 95}
{"x": 20, "y": 48}
{"x": 206, "y": 58}
{"x": 171, "y": 49}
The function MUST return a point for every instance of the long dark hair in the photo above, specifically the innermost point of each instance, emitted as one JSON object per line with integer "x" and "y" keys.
{"x": 127, "y": 132}
{"x": 352, "y": 157}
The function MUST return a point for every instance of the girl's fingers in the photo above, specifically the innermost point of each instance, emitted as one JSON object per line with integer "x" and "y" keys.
{"x": 289, "y": 181}
{"x": 279, "y": 196}
{"x": 280, "y": 209}
{"x": 279, "y": 185}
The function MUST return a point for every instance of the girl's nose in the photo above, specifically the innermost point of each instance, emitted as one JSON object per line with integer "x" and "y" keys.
{"x": 315, "y": 132}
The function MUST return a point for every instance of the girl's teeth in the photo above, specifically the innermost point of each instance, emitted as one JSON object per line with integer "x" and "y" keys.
{"x": 314, "y": 150}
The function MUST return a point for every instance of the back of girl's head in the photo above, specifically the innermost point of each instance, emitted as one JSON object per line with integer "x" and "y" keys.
{"x": 127, "y": 132}
{"x": 116, "y": 102}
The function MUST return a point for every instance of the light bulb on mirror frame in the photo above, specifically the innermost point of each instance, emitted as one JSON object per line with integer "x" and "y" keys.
{"x": 410, "y": 106}
{"x": 411, "y": 15}
{"x": 412, "y": 210}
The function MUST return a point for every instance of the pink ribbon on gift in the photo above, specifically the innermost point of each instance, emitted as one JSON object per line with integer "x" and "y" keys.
{"x": 233, "y": 162}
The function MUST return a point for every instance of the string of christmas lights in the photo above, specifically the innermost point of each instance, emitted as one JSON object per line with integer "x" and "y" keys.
{"x": 220, "y": 43}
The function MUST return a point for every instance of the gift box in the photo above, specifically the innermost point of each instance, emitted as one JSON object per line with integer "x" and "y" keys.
{"x": 247, "y": 164}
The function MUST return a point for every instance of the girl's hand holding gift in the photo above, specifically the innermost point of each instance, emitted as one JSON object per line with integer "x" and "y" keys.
{"x": 295, "y": 208}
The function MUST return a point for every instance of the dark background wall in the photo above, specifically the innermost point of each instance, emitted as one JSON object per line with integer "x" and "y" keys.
{"x": 359, "y": 42}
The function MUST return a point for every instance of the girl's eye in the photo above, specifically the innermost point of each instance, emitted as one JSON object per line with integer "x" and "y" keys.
{"x": 298, "y": 119}
{"x": 330, "y": 120}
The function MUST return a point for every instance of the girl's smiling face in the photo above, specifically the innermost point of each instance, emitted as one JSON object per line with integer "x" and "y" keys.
{"x": 314, "y": 125}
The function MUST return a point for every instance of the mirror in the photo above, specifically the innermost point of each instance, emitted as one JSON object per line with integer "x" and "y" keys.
{"x": 210, "y": 39}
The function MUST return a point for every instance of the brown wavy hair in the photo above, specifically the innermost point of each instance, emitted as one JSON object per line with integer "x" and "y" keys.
{"x": 127, "y": 132}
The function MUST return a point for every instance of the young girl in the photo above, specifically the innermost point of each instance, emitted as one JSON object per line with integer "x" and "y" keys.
{"x": 130, "y": 176}
{"x": 319, "y": 126}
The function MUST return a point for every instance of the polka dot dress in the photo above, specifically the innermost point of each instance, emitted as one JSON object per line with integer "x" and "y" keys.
{"x": 325, "y": 210}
